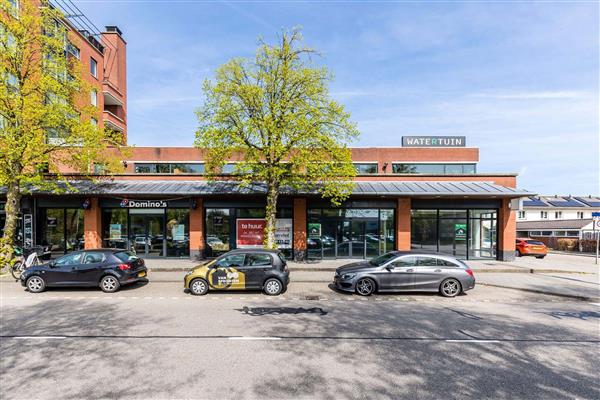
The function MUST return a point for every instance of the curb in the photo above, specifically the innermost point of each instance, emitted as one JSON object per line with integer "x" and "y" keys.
{"x": 547, "y": 293}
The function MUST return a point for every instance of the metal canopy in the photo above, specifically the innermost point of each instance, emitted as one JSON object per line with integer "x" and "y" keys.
{"x": 362, "y": 188}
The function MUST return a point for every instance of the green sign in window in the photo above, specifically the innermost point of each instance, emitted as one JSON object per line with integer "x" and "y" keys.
{"x": 460, "y": 231}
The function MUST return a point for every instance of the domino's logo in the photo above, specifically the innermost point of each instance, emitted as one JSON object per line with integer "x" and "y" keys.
{"x": 124, "y": 203}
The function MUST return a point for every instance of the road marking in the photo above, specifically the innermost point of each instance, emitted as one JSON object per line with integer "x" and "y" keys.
{"x": 254, "y": 338}
{"x": 39, "y": 337}
{"x": 471, "y": 341}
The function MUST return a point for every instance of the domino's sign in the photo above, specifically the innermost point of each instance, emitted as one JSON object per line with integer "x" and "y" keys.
{"x": 126, "y": 203}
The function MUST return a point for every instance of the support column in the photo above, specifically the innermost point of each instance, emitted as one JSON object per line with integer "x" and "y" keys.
{"x": 507, "y": 232}
{"x": 299, "y": 229}
{"x": 92, "y": 225}
{"x": 197, "y": 230}
{"x": 403, "y": 224}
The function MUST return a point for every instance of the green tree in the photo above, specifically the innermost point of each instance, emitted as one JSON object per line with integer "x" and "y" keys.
{"x": 274, "y": 114}
{"x": 47, "y": 123}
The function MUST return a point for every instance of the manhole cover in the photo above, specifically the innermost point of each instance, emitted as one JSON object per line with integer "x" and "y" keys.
{"x": 312, "y": 297}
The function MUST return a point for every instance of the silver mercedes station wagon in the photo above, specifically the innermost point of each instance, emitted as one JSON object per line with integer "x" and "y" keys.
{"x": 406, "y": 271}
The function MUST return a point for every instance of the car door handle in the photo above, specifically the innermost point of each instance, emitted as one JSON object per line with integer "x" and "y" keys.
{"x": 410, "y": 270}
{"x": 437, "y": 270}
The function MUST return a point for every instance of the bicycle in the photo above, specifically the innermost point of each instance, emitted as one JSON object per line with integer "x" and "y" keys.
{"x": 21, "y": 263}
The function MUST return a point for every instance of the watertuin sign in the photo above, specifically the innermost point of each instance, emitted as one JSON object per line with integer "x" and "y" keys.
{"x": 434, "y": 141}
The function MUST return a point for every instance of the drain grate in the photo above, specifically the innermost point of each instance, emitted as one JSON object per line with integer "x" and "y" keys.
{"x": 312, "y": 297}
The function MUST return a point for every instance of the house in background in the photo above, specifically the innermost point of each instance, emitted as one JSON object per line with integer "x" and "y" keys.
{"x": 558, "y": 219}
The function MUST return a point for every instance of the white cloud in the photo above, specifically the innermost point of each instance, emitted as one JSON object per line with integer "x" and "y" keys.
{"x": 541, "y": 95}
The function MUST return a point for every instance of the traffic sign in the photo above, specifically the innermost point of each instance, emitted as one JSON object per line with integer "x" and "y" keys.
{"x": 596, "y": 214}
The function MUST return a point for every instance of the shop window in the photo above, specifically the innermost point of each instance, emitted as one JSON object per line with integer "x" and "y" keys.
{"x": 114, "y": 228}
{"x": 572, "y": 233}
{"x": 60, "y": 229}
{"x": 218, "y": 234}
{"x": 454, "y": 231}
{"x": 178, "y": 233}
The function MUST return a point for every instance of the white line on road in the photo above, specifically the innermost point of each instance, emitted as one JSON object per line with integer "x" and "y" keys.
{"x": 471, "y": 341}
{"x": 39, "y": 337}
{"x": 254, "y": 338}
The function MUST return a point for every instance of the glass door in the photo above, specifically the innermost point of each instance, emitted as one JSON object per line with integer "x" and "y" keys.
{"x": 357, "y": 239}
{"x": 147, "y": 232}
{"x": 343, "y": 236}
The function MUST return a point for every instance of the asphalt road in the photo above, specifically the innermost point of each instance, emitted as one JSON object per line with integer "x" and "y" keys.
{"x": 155, "y": 341}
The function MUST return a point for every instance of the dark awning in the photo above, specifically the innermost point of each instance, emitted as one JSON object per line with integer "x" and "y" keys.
{"x": 362, "y": 188}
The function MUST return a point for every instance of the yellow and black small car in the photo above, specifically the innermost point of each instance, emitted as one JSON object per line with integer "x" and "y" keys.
{"x": 241, "y": 269}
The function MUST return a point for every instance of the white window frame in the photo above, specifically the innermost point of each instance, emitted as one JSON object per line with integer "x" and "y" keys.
{"x": 557, "y": 214}
{"x": 94, "y": 97}
{"x": 544, "y": 214}
{"x": 93, "y": 71}
{"x": 580, "y": 214}
{"x": 522, "y": 214}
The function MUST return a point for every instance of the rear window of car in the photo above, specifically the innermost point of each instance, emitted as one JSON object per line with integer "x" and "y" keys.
{"x": 126, "y": 256}
{"x": 534, "y": 242}
{"x": 258, "y": 259}
{"x": 282, "y": 258}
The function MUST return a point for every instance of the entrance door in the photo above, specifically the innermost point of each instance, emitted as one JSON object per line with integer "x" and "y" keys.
{"x": 351, "y": 238}
{"x": 147, "y": 232}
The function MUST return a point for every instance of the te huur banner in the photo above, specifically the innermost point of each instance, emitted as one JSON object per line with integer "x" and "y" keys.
{"x": 250, "y": 233}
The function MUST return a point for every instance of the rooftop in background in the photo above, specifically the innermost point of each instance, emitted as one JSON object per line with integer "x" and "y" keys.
{"x": 563, "y": 201}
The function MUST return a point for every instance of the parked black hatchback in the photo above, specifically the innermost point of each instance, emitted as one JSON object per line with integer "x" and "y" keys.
{"x": 107, "y": 268}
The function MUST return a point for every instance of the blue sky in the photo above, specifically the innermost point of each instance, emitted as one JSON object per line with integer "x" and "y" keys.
{"x": 519, "y": 79}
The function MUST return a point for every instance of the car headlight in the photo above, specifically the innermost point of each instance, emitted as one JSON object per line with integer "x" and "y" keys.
{"x": 346, "y": 277}
{"x": 190, "y": 272}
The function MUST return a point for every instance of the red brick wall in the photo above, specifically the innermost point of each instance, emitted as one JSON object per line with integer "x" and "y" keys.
{"x": 92, "y": 226}
{"x": 403, "y": 224}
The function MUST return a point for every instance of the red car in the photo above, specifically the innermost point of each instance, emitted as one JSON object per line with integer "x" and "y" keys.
{"x": 530, "y": 247}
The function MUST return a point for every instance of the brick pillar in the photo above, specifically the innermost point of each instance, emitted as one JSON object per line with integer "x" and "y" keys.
{"x": 92, "y": 225}
{"x": 403, "y": 224}
{"x": 299, "y": 229}
{"x": 197, "y": 230}
{"x": 507, "y": 232}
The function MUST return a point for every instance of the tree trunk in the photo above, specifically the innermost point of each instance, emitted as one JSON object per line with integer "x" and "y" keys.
{"x": 12, "y": 208}
{"x": 271, "y": 215}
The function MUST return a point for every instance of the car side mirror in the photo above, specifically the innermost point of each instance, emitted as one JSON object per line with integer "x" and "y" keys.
{"x": 52, "y": 264}
{"x": 390, "y": 267}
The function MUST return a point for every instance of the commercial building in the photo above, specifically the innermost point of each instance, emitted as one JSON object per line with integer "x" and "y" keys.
{"x": 427, "y": 195}
{"x": 422, "y": 198}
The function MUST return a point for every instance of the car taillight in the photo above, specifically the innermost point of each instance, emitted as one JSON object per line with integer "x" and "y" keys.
{"x": 470, "y": 272}
{"x": 124, "y": 267}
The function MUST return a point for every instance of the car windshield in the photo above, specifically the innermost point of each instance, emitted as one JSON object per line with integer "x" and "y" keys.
{"x": 382, "y": 259}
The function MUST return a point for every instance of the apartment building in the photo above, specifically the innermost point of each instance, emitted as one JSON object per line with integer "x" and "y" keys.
{"x": 550, "y": 217}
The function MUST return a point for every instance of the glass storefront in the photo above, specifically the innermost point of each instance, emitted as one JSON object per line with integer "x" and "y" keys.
{"x": 350, "y": 232}
{"x": 460, "y": 233}
{"x": 151, "y": 232}
{"x": 61, "y": 229}
{"x": 230, "y": 228}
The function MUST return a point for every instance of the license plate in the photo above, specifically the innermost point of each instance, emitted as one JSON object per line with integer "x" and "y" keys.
{"x": 142, "y": 274}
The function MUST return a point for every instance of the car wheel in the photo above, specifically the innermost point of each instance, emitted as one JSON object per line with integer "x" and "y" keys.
{"x": 109, "y": 284}
{"x": 273, "y": 287}
{"x": 540, "y": 257}
{"x": 450, "y": 288}
{"x": 518, "y": 253}
{"x": 365, "y": 286}
{"x": 36, "y": 284}
{"x": 198, "y": 287}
